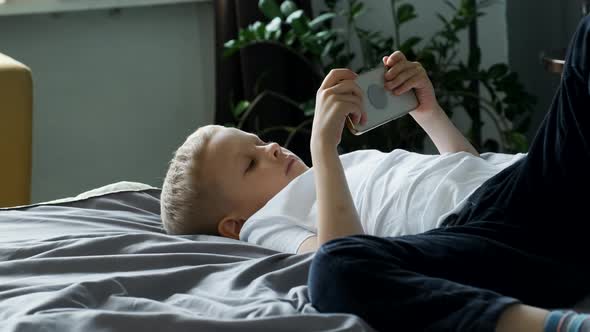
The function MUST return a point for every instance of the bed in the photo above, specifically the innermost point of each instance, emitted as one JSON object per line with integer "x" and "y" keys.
{"x": 101, "y": 261}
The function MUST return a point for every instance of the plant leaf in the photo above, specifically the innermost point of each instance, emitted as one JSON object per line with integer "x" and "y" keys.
{"x": 288, "y": 7}
{"x": 450, "y": 4}
{"x": 258, "y": 29}
{"x": 269, "y": 8}
{"x": 498, "y": 70}
{"x": 317, "y": 22}
{"x": 298, "y": 21}
{"x": 327, "y": 48}
{"x": 324, "y": 34}
{"x": 274, "y": 25}
{"x": 409, "y": 44}
{"x": 517, "y": 141}
{"x": 290, "y": 37}
{"x": 405, "y": 13}
{"x": 230, "y": 44}
{"x": 357, "y": 9}
{"x": 331, "y": 4}
{"x": 247, "y": 35}
{"x": 240, "y": 108}
{"x": 273, "y": 29}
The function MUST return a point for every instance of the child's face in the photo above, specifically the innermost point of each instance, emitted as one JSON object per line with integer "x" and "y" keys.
{"x": 249, "y": 171}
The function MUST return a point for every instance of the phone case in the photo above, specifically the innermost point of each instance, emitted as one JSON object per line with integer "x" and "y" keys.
{"x": 380, "y": 104}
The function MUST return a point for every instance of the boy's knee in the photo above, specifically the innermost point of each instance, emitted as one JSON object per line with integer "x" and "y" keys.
{"x": 348, "y": 249}
{"x": 335, "y": 268}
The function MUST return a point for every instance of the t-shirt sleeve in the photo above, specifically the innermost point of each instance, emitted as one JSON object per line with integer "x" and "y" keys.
{"x": 279, "y": 233}
{"x": 502, "y": 160}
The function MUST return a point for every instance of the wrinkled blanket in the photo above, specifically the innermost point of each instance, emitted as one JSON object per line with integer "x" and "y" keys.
{"x": 102, "y": 262}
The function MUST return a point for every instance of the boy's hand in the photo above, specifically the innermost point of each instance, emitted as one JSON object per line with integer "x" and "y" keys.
{"x": 337, "y": 97}
{"x": 403, "y": 76}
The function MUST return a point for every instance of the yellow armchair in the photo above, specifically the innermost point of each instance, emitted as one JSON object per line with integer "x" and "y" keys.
{"x": 16, "y": 109}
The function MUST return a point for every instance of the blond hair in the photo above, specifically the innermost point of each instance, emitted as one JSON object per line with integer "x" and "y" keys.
{"x": 188, "y": 203}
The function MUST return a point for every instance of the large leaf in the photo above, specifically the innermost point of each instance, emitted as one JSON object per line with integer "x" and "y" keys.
{"x": 231, "y": 47}
{"x": 498, "y": 70}
{"x": 290, "y": 37}
{"x": 288, "y": 7}
{"x": 327, "y": 48}
{"x": 450, "y": 4}
{"x": 317, "y": 22}
{"x": 313, "y": 46}
{"x": 240, "y": 108}
{"x": 324, "y": 34}
{"x": 269, "y": 8}
{"x": 410, "y": 43}
{"x": 405, "y": 13}
{"x": 247, "y": 35}
{"x": 331, "y": 4}
{"x": 274, "y": 25}
{"x": 273, "y": 29}
{"x": 517, "y": 141}
{"x": 298, "y": 21}
{"x": 357, "y": 10}
{"x": 258, "y": 29}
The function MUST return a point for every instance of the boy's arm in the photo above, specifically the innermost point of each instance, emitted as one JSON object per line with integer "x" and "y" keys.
{"x": 337, "y": 215}
{"x": 337, "y": 97}
{"x": 443, "y": 133}
{"x": 401, "y": 77}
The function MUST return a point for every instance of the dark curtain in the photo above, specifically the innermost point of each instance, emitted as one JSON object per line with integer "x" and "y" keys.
{"x": 236, "y": 76}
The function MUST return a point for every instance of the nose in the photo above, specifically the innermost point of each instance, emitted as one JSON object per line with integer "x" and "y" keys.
{"x": 273, "y": 149}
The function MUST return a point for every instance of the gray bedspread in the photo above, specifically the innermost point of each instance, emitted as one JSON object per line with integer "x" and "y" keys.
{"x": 105, "y": 264}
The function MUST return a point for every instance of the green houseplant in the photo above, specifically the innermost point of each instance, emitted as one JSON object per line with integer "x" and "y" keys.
{"x": 324, "y": 46}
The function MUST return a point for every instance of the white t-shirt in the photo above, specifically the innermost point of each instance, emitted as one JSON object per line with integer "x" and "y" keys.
{"x": 395, "y": 193}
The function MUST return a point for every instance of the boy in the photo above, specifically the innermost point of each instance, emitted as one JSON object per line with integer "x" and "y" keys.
{"x": 226, "y": 182}
{"x": 521, "y": 238}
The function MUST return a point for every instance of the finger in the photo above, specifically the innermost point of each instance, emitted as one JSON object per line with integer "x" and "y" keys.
{"x": 364, "y": 116}
{"x": 398, "y": 68}
{"x": 357, "y": 92}
{"x": 402, "y": 78}
{"x": 354, "y": 113}
{"x": 359, "y": 115}
{"x": 348, "y": 99}
{"x": 394, "y": 58}
{"x": 337, "y": 75}
{"x": 385, "y": 60}
{"x": 407, "y": 86}
{"x": 346, "y": 87}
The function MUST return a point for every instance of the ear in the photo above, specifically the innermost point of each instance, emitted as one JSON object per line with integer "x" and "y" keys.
{"x": 230, "y": 227}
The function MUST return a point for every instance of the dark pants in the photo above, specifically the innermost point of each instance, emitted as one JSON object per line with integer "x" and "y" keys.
{"x": 522, "y": 237}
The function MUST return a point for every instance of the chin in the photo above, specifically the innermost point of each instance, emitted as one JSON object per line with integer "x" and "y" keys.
{"x": 300, "y": 167}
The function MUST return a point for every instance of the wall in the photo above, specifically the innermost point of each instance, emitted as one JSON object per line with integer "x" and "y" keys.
{"x": 115, "y": 91}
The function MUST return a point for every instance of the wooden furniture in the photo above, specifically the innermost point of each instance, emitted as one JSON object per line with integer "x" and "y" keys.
{"x": 16, "y": 108}
{"x": 553, "y": 61}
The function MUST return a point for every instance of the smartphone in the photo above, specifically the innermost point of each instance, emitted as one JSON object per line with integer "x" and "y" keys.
{"x": 380, "y": 104}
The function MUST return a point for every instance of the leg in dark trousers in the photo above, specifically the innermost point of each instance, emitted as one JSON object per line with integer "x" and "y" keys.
{"x": 520, "y": 238}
